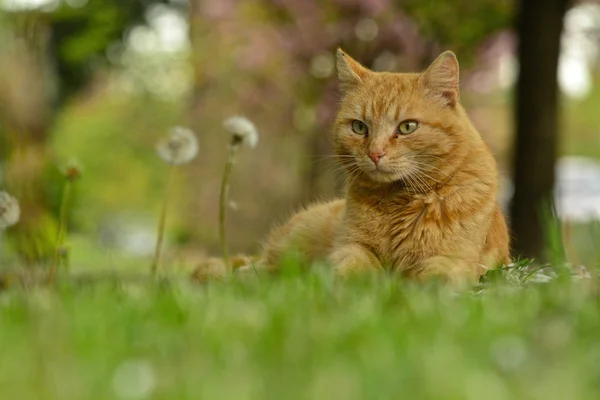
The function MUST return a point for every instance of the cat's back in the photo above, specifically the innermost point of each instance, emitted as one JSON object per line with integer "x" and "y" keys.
{"x": 311, "y": 232}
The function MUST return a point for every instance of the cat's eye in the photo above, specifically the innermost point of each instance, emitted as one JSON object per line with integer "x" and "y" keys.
{"x": 359, "y": 127}
{"x": 407, "y": 127}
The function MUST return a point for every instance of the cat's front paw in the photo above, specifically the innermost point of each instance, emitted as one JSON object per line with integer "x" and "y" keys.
{"x": 351, "y": 269}
{"x": 354, "y": 259}
{"x": 211, "y": 269}
{"x": 252, "y": 270}
{"x": 214, "y": 269}
{"x": 450, "y": 270}
{"x": 246, "y": 272}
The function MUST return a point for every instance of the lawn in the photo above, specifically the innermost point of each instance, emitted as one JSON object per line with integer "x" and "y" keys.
{"x": 302, "y": 335}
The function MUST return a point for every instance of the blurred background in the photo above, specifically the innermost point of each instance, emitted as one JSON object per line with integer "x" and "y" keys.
{"x": 100, "y": 81}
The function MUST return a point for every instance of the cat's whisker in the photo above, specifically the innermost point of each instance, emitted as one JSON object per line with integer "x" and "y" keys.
{"x": 432, "y": 167}
{"x": 350, "y": 182}
{"x": 440, "y": 159}
{"x": 350, "y": 170}
{"x": 417, "y": 160}
{"x": 355, "y": 173}
{"x": 420, "y": 155}
{"x": 338, "y": 168}
{"x": 335, "y": 166}
{"x": 427, "y": 186}
{"x": 420, "y": 171}
{"x": 343, "y": 168}
{"x": 410, "y": 182}
{"x": 415, "y": 182}
{"x": 344, "y": 161}
{"x": 410, "y": 179}
{"x": 329, "y": 160}
{"x": 344, "y": 176}
{"x": 328, "y": 163}
{"x": 423, "y": 186}
{"x": 430, "y": 175}
{"x": 326, "y": 156}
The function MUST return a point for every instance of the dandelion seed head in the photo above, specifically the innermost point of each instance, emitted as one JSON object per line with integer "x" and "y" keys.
{"x": 243, "y": 130}
{"x": 72, "y": 170}
{"x": 179, "y": 147}
{"x": 10, "y": 212}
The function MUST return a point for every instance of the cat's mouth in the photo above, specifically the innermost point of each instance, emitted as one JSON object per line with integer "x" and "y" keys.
{"x": 385, "y": 173}
{"x": 382, "y": 174}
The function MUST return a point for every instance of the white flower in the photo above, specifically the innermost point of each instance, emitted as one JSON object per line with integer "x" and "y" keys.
{"x": 179, "y": 147}
{"x": 9, "y": 210}
{"x": 243, "y": 130}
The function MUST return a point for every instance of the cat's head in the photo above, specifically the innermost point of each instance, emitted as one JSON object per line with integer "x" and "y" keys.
{"x": 395, "y": 126}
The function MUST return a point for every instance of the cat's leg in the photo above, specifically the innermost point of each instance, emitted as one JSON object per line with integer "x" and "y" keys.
{"x": 496, "y": 250}
{"x": 214, "y": 269}
{"x": 456, "y": 271}
{"x": 354, "y": 259}
{"x": 254, "y": 269}
{"x": 307, "y": 237}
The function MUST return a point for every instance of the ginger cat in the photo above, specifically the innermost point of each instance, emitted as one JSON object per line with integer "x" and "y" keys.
{"x": 422, "y": 185}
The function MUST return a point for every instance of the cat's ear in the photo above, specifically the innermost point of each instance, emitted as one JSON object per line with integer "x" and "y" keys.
{"x": 350, "y": 72}
{"x": 442, "y": 78}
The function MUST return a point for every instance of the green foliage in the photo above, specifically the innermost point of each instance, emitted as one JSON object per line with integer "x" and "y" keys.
{"x": 35, "y": 245}
{"x": 82, "y": 35}
{"x": 460, "y": 25}
{"x": 116, "y": 149}
{"x": 553, "y": 235}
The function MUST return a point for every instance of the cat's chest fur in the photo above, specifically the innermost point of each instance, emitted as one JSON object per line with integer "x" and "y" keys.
{"x": 403, "y": 228}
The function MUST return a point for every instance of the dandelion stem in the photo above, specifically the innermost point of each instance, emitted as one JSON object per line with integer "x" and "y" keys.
{"x": 223, "y": 200}
{"x": 62, "y": 229}
{"x": 161, "y": 223}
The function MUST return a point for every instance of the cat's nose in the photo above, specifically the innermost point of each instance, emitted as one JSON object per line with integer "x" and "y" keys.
{"x": 376, "y": 155}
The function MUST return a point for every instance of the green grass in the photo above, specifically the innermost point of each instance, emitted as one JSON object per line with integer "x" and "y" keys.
{"x": 303, "y": 336}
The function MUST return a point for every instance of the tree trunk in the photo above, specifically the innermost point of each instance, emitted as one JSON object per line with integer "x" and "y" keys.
{"x": 197, "y": 34}
{"x": 540, "y": 24}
